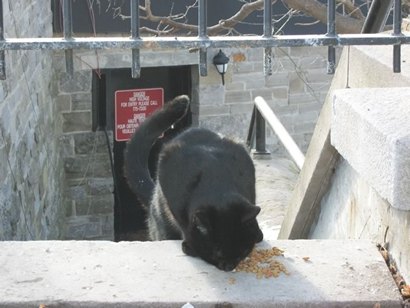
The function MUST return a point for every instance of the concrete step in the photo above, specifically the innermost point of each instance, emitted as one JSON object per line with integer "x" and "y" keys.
{"x": 321, "y": 273}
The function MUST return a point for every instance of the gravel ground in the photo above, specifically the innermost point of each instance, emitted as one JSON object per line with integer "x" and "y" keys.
{"x": 275, "y": 180}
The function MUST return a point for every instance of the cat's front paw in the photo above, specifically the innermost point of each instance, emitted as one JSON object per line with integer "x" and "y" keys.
{"x": 186, "y": 248}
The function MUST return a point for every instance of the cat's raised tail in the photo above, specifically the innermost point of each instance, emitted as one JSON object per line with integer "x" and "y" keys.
{"x": 138, "y": 148}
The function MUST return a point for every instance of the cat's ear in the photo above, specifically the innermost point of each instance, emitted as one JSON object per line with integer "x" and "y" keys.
{"x": 250, "y": 213}
{"x": 200, "y": 221}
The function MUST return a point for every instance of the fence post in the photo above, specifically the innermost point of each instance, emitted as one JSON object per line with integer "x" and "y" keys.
{"x": 135, "y": 34}
{"x": 267, "y": 33}
{"x": 331, "y": 31}
{"x": 397, "y": 32}
{"x": 2, "y": 60}
{"x": 68, "y": 35}
{"x": 202, "y": 34}
{"x": 260, "y": 151}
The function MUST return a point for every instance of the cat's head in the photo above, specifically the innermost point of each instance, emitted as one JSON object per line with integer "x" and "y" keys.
{"x": 224, "y": 235}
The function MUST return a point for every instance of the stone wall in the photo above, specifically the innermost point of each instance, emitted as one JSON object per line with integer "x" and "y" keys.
{"x": 89, "y": 184}
{"x": 31, "y": 171}
{"x": 295, "y": 91}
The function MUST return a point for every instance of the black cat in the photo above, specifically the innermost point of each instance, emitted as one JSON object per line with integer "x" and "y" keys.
{"x": 204, "y": 191}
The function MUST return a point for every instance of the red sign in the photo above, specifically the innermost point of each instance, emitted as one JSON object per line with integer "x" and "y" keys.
{"x": 132, "y": 107}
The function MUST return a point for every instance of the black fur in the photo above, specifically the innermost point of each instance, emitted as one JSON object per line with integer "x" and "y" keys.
{"x": 204, "y": 191}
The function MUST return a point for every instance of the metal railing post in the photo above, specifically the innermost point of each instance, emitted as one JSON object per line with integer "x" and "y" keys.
{"x": 331, "y": 32}
{"x": 260, "y": 136}
{"x": 68, "y": 35}
{"x": 267, "y": 33}
{"x": 397, "y": 32}
{"x": 135, "y": 34}
{"x": 202, "y": 34}
{"x": 2, "y": 52}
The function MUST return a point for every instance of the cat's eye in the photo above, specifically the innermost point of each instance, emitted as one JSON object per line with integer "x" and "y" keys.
{"x": 202, "y": 229}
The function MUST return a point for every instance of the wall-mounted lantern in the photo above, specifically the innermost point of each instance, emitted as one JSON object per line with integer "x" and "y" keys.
{"x": 221, "y": 63}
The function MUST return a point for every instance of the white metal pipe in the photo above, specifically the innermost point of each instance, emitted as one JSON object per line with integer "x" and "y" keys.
{"x": 280, "y": 131}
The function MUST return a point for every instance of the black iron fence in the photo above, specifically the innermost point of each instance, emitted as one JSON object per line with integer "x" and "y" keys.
{"x": 378, "y": 13}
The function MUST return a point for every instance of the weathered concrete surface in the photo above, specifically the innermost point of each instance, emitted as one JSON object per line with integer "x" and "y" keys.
{"x": 371, "y": 130}
{"x": 275, "y": 180}
{"x": 351, "y": 208}
{"x": 158, "y": 274}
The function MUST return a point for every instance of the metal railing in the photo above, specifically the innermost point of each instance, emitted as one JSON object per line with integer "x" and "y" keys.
{"x": 261, "y": 113}
{"x": 202, "y": 42}
{"x": 374, "y": 23}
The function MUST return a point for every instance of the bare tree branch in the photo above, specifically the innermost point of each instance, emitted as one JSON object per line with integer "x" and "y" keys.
{"x": 352, "y": 9}
{"x": 231, "y": 22}
{"x": 351, "y": 22}
{"x": 344, "y": 24}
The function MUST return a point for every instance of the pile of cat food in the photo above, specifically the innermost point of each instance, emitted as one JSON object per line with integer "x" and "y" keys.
{"x": 261, "y": 262}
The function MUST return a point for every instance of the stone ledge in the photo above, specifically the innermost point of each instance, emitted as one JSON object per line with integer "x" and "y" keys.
{"x": 371, "y": 130}
{"x": 157, "y": 274}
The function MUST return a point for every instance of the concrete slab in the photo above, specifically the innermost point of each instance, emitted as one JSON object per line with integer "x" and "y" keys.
{"x": 157, "y": 274}
{"x": 371, "y": 130}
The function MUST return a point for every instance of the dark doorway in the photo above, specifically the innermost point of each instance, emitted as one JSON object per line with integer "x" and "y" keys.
{"x": 129, "y": 215}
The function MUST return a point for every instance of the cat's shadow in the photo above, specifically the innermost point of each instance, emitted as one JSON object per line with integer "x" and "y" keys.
{"x": 238, "y": 286}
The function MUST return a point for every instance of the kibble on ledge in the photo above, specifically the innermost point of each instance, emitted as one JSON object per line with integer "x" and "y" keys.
{"x": 263, "y": 264}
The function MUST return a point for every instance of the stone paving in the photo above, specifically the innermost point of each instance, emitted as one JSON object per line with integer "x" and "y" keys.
{"x": 275, "y": 179}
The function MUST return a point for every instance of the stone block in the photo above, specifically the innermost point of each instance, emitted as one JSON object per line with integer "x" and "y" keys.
{"x": 297, "y": 83}
{"x": 76, "y": 121}
{"x": 302, "y": 98}
{"x": 241, "y": 109}
{"x": 107, "y": 226}
{"x": 211, "y": 95}
{"x": 98, "y": 186}
{"x": 235, "y": 86}
{"x": 243, "y": 68}
{"x": 371, "y": 130}
{"x": 304, "y": 128}
{"x": 232, "y": 97}
{"x": 206, "y": 111}
{"x": 285, "y": 109}
{"x": 80, "y": 82}
{"x": 277, "y": 79}
{"x": 282, "y": 52}
{"x": 90, "y": 142}
{"x": 256, "y": 82}
{"x": 83, "y": 166}
{"x": 253, "y": 54}
{"x": 81, "y": 101}
{"x": 267, "y": 94}
{"x": 314, "y": 62}
{"x": 77, "y": 229}
{"x": 280, "y": 93}
{"x": 284, "y": 65}
{"x": 236, "y": 129}
{"x": 308, "y": 50}
{"x": 101, "y": 204}
{"x": 307, "y": 117}
{"x": 66, "y": 145}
